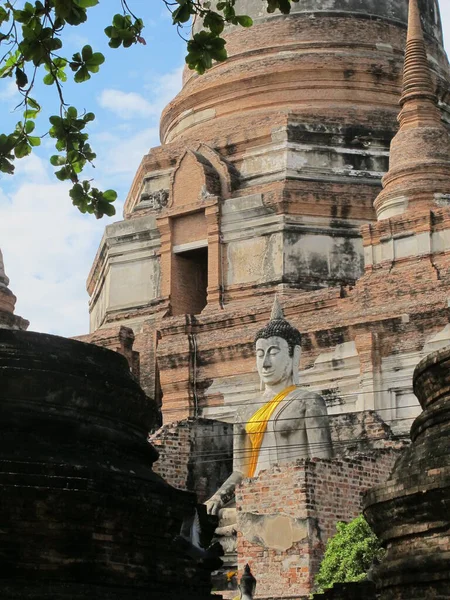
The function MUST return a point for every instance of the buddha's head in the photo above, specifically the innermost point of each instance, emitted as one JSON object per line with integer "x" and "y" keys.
{"x": 277, "y": 348}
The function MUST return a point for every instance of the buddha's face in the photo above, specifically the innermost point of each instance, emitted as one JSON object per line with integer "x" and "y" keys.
{"x": 273, "y": 361}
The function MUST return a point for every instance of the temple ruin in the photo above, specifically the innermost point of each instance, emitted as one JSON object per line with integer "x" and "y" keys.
{"x": 290, "y": 170}
{"x": 265, "y": 183}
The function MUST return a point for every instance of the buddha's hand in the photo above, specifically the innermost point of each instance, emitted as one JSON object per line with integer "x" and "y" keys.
{"x": 214, "y": 504}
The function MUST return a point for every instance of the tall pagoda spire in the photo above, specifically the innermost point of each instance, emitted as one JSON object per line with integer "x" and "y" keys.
{"x": 418, "y": 95}
{"x": 419, "y": 168}
{"x": 8, "y": 320}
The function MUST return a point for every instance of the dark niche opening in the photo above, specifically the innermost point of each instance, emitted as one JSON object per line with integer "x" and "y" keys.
{"x": 189, "y": 281}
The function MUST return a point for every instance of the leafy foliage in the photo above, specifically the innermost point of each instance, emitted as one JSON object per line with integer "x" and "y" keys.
{"x": 349, "y": 554}
{"x": 33, "y": 40}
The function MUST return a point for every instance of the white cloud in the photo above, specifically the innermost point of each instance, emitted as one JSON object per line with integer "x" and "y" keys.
{"x": 8, "y": 90}
{"x": 31, "y": 169}
{"x": 165, "y": 87}
{"x": 120, "y": 155}
{"x": 48, "y": 247}
{"x": 76, "y": 41}
{"x": 131, "y": 105}
{"x": 126, "y": 105}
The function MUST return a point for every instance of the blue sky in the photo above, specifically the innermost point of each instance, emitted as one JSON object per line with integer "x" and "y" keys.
{"x": 48, "y": 245}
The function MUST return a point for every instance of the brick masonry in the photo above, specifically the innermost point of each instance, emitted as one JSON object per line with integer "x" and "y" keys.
{"x": 195, "y": 455}
{"x": 287, "y": 514}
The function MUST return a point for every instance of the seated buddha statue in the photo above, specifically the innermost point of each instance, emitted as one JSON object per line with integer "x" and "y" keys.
{"x": 287, "y": 422}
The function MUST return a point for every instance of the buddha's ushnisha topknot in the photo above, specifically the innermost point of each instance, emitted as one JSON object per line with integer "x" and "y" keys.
{"x": 277, "y": 311}
{"x": 279, "y": 327}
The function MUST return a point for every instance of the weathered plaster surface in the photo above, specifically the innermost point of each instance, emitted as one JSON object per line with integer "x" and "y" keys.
{"x": 277, "y": 532}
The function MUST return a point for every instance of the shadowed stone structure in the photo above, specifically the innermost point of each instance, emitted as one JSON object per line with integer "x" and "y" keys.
{"x": 82, "y": 514}
{"x": 8, "y": 320}
{"x": 411, "y": 512}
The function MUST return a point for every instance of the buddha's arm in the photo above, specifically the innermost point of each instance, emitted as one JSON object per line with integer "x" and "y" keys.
{"x": 226, "y": 491}
{"x": 318, "y": 428}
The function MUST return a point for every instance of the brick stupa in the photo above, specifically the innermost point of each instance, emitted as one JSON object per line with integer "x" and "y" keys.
{"x": 8, "y": 320}
{"x": 269, "y": 180}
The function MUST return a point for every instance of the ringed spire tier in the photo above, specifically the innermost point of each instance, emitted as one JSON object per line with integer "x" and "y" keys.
{"x": 324, "y": 60}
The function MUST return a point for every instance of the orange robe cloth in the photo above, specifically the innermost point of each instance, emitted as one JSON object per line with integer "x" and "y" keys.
{"x": 257, "y": 425}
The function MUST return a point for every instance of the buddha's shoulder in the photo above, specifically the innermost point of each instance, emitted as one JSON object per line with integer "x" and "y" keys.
{"x": 304, "y": 392}
{"x": 302, "y": 395}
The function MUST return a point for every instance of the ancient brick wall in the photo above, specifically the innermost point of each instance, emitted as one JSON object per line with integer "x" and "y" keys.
{"x": 287, "y": 514}
{"x": 335, "y": 488}
{"x": 194, "y": 455}
{"x": 173, "y": 443}
{"x": 192, "y": 227}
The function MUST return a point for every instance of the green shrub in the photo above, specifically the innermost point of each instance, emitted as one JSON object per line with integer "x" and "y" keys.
{"x": 349, "y": 554}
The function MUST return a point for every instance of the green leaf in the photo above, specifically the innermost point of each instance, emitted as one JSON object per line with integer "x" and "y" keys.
{"x": 110, "y": 195}
{"x": 9, "y": 64}
{"x": 6, "y": 166}
{"x": 56, "y": 160}
{"x": 22, "y": 149}
{"x": 49, "y": 79}
{"x": 114, "y": 43}
{"x": 181, "y": 14}
{"x": 214, "y": 22}
{"x": 96, "y": 59}
{"x": 30, "y": 114}
{"x": 29, "y": 126}
{"x": 203, "y": 48}
{"x": 33, "y": 104}
{"x": 77, "y": 192}
{"x": 244, "y": 20}
{"x": 119, "y": 21}
{"x": 59, "y": 63}
{"x": 63, "y": 174}
{"x": 107, "y": 209}
{"x": 72, "y": 112}
{"x": 34, "y": 141}
{"x": 87, "y": 3}
{"x": 4, "y": 15}
{"x": 349, "y": 554}
{"x": 86, "y": 53}
{"x": 21, "y": 78}
{"x": 81, "y": 75}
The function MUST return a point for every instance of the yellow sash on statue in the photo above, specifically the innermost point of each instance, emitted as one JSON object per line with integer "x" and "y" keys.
{"x": 257, "y": 425}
